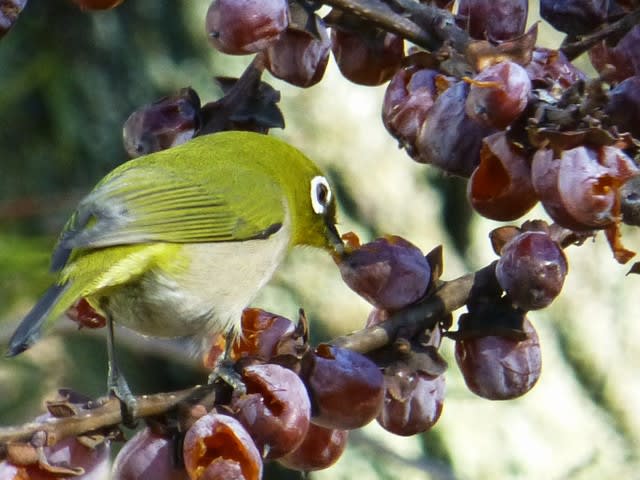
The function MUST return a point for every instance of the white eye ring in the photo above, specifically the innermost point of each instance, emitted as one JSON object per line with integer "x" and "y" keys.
{"x": 320, "y": 194}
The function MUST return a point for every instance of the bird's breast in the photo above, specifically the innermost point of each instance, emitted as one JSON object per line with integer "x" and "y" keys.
{"x": 206, "y": 293}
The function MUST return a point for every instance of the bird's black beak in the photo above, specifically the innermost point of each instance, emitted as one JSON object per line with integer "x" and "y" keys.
{"x": 335, "y": 241}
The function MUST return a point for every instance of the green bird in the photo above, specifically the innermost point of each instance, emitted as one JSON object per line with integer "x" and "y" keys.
{"x": 177, "y": 243}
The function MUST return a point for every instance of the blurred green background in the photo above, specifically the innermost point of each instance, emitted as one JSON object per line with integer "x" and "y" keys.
{"x": 69, "y": 79}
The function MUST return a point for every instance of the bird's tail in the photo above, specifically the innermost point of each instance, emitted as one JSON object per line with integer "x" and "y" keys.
{"x": 29, "y": 330}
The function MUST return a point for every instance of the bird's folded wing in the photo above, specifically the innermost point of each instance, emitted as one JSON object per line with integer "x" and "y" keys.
{"x": 154, "y": 203}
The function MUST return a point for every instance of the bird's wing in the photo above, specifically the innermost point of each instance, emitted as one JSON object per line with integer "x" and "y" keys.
{"x": 148, "y": 202}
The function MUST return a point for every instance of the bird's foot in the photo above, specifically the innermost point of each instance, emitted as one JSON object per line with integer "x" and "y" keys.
{"x": 225, "y": 371}
{"x": 119, "y": 388}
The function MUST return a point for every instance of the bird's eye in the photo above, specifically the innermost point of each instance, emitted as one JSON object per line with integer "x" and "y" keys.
{"x": 320, "y": 194}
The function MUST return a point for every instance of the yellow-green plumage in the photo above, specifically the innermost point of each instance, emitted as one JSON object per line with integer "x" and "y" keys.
{"x": 178, "y": 242}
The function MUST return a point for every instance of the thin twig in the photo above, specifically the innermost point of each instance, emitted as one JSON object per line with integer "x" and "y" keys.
{"x": 106, "y": 414}
{"x": 381, "y": 15}
{"x": 626, "y": 23}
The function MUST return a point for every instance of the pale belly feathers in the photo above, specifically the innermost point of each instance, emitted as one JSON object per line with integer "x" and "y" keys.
{"x": 205, "y": 298}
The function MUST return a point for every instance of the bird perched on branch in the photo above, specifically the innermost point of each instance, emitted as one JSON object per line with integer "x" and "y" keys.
{"x": 178, "y": 242}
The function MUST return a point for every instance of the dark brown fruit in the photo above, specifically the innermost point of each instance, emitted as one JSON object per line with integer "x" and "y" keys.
{"x": 218, "y": 447}
{"x": 500, "y": 368}
{"x": 407, "y": 99}
{"x": 500, "y": 187}
{"x": 449, "y": 139}
{"x": 532, "y": 269}
{"x": 241, "y": 27}
{"x": 412, "y": 403}
{"x": 148, "y": 455}
{"x": 367, "y": 58}
{"x": 170, "y": 121}
{"x": 298, "y": 57}
{"x": 337, "y": 378}
{"x": 9, "y": 12}
{"x": 389, "y": 272}
{"x": 321, "y": 448}
{"x": 493, "y": 19}
{"x": 264, "y": 335}
{"x": 276, "y": 409}
{"x": 498, "y": 94}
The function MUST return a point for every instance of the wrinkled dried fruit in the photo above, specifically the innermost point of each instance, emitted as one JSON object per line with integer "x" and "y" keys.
{"x": 498, "y": 94}
{"x": 367, "y": 59}
{"x": 550, "y": 67}
{"x": 624, "y": 106}
{"x": 493, "y": 19}
{"x": 580, "y": 190}
{"x": 624, "y": 56}
{"x": 532, "y": 269}
{"x": 412, "y": 403}
{"x": 298, "y": 57}
{"x": 320, "y": 449}
{"x": 264, "y": 335}
{"x": 217, "y": 446}
{"x": 163, "y": 124}
{"x": 449, "y": 139}
{"x": 407, "y": 99}
{"x": 338, "y": 377}
{"x": 575, "y": 17}
{"x": 240, "y": 27}
{"x": 9, "y": 12}
{"x": 148, "y": 455}
{"x": 276, "y": 409}
{"x": 500, "y": 368}
{"x": 500, "y": 188}
{"x": 389, "y": 272}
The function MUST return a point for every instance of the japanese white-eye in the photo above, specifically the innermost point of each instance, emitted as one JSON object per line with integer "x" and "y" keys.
{"x": 178, "y": 242}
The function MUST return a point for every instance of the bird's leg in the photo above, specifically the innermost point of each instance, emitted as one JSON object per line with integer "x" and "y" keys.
{"x": 116, "y": 383}
{"x": 225, "y": 369}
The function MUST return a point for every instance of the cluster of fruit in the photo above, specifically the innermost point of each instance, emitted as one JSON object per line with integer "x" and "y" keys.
{"x": 521, "y": 122}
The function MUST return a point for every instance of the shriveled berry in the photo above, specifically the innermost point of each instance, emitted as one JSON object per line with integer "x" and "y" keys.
{"x": 276, "y": 409}
{"x": 321, "y": 448}
{"x": 298, "y": 57}
{"x": 9, "y": 12}
{"x": 412, "y": 402}
{"x": 623, "y": 56}
{"x": 70, "y": 453}
{"x": 389, "y": 272}
{"x": 163, "y": 124}
{"x": 493, "y": 19}
{"x": 500, "y": 187}
{"x": 407, "y": 99}
{"x": 500, "y": 368}
{"x": 148, "y": 454}
{"x": 264, "y": 335}
{"x": 367, "y": 58}
{"x": 449, "y": 139}
{"x": 624, "y": 106}
{"x": 218, "y": 447}
{"x": 239, "y": 27}
{"x": 498, "y": 94}
{"x": 532, "y": 269}
{"x": 575, "y": 17}
{"x": 550, "y": 67}
{"x": 85, "y": 315}
{"x": 581, "y": 189}
{"x": 337, "y": 377}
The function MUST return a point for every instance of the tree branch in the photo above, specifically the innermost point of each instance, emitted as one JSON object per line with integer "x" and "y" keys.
{"x": 622, "y": 26}
{"x": 106, "y": 413}
{"x": 381, "y": 15}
